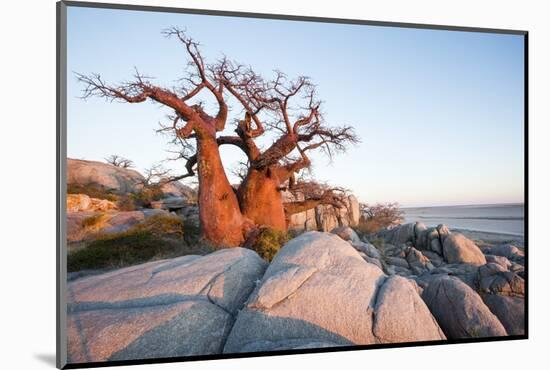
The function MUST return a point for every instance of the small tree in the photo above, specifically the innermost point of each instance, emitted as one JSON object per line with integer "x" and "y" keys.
{"x": 119, "y": 161}
{"x": 378, "y": 216}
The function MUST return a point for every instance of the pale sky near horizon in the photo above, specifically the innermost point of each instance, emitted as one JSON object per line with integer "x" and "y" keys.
{"x": 440, "y": 114}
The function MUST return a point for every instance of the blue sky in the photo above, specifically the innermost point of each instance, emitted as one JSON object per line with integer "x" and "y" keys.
{"x": 440, "y": 113}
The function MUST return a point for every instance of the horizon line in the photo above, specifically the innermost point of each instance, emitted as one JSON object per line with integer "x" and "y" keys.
{"x": 468, "y": 205}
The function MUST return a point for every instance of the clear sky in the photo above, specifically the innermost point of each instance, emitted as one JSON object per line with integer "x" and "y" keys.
{"x": 440, "y": 113}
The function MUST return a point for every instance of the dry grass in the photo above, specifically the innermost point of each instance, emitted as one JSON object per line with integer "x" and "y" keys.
{"x": 95, "y": 223}
{"x": 158, "y": 237}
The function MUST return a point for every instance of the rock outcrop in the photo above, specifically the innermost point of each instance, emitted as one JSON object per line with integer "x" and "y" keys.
{"x": 401, "y": 315}
{"x": 116, "y": 179}
{"x": 347, "y": 234}
{"x": 489, "y": 281}
{"x": 318, "y": 289}
{"x": 460, "y": 310}
{"x": 80, "y": 227}
{"x": 324, "y": 217}
{"x": 323, "y": 270}
{"x": 506, "y": 250}
{"x": 84, "y": 203}
{"x": 180, "y": 307}
{"x": 177, "y": 189}
{"x": 459, "y": 249}
{"x": 509, "y": 310}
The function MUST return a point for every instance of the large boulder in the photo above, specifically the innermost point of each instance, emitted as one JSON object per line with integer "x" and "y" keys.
{"x": 397, "y": 261}
{"x": 494, "y": 278}
{"x": 91, "y": 173}
{"x": 316, "y": 289}
{"x": 459, "y": 249}
{"x": 367, "y": 248}
{"x": 346, "y": 233}
{"x": 459, "y": 310}
{"x": 401, "y": 315}
{"x": 428, "y": 238}
{"x": 177, "y": 189}
{"x": 398, "y": 235}
{"x": 499, "y": 260}
{"x": 417, "y": 261}
{"x": 420, "y": 234}
{"x": 509, "y": 310}
{"x": 506, "y": 250}
{"x": 179, "y": 307}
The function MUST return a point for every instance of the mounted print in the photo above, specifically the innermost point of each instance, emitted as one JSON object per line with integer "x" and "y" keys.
{"x": 235, "y": 184}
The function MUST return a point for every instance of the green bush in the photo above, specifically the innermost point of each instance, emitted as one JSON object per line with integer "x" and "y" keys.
{"x": 268, "y": 242}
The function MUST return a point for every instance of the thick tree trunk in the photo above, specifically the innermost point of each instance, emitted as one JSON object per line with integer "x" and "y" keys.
{"x": 220, "y": 216}
{"x": 260, "y": 199}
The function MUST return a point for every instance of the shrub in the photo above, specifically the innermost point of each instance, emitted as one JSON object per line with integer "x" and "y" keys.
{"x": 268, "y": 242}
{"x": 93, "y": 191}
{"x": 376, "y": 217}
{"x": 162, "y": 225}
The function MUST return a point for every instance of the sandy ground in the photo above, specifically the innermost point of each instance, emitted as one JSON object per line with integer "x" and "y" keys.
{"x": 493, "y": 238}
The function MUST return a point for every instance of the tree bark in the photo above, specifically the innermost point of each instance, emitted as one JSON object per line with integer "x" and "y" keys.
{"x": 261, "y": 200}
{"x": 220, "y": 216}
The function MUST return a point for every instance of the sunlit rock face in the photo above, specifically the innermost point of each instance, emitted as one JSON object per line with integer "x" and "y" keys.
{"x": 103, "y": 175}
{"x": 319, "y": 290}
{"x": 179, "y": 307}
{"x": 84, "y": 203}
{"x": 109, "y": 222}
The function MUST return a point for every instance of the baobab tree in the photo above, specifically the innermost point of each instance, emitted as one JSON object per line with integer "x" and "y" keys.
{"x": 119, "y": 161}
{"x": 283, "y": 108}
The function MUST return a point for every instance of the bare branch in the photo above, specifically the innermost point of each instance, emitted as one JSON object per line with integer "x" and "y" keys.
{"x": 315, "y": 194}
{"x": 119, "y": 161}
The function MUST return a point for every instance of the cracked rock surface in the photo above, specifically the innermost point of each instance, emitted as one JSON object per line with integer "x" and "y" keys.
{"x": 179, "y": 307}
{"x": 319, "y": 291}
